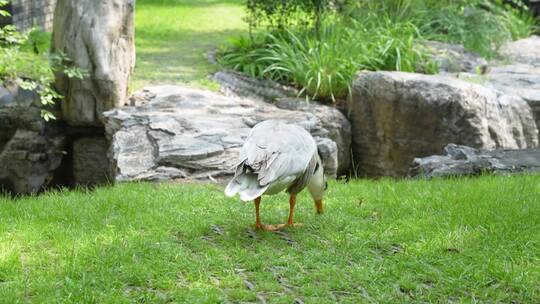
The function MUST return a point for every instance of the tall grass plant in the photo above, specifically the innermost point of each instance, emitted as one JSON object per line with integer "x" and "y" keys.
{"x": 374, "y": 35}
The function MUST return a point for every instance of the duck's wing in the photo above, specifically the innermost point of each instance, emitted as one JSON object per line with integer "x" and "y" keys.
{"x": 274, "y": 151}
{"x": 278, "y": 150}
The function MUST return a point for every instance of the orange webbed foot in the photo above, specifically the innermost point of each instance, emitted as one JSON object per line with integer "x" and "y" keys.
{"x": 287, "y": 225}
{"x": 265, "y": 227}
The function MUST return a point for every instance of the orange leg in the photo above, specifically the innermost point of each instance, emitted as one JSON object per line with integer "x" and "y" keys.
{"x": 319, "y": 206}
{"x": 258, "y": 224}
{"x": 292, "y": 202}
{"x": 290, "y": 222}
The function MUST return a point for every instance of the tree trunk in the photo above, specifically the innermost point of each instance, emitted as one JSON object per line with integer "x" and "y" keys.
{"x": 98, "y": 35}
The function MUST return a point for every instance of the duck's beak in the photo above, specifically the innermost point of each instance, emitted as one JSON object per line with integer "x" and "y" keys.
{"x": 319, "y": 206}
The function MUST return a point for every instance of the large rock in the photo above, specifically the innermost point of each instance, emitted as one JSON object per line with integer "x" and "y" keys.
{"x": 526, "y": 51}
{"x": 334, "y": 125}
{"x": 462, "y": 160}
{"x": 521, "y": 75}
{"x": 521, "y": 80}
{"x": 399, "y": 116}
{"x": 454, "y": 58}
{"x": 99, "y": 37}
{"x": 197, "y": 134}
{"x": 30, "y": 148}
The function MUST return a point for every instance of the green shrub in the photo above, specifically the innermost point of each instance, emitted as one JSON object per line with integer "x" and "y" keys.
{"x": 246, "y": 55}
{"x": 482, "y": 27}
{"x": 323, "y": 65}
{"x": 286, "y": 13}
{"x": 322, "y": 69}
{"x": 371, "y": 35}
{"x": 25, "y": 61}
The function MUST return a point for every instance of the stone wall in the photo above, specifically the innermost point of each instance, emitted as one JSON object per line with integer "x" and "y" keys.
{"x": 27, "y": 13}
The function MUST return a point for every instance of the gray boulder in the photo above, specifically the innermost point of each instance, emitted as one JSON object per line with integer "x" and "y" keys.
{"x": 30, "y": 149}
{"x": 186, "y": 133}
{"x": 462, "y": 160}
{"x": 521, "y": 75}
{"x": 454, "y": 58}
{"x": 396, "y": 117}
{"x": 525, "y": 51}
{"x": 99, "y": 37}
{"x": 521, "y": 80}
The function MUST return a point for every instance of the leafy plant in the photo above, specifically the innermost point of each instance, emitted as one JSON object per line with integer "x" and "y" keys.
{"x": 245, "y": 55}
{"x": 24, "y": 61}
{"x": 371, "y": 34}
{"x": 323, "y": 65}
{"x": 482, "y": 26}
{"x": 320, "y": 69}
{"x": 286, "y": 13}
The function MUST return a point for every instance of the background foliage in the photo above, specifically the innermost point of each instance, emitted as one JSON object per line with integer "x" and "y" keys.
{"x": 283, "y": 14}
{"x": 26, "y": 62}
{"x": 318, "y": 46}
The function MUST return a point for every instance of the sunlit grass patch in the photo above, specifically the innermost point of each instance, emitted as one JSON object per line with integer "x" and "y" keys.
{"x": 174, "y": 37}
{"x": 379, "y": 241}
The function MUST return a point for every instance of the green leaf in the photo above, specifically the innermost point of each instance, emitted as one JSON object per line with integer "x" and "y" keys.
{"x": 47, "y": 115}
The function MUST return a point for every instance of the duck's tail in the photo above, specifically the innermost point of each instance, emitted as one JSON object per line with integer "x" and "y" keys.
{"x": 245, "y": 182}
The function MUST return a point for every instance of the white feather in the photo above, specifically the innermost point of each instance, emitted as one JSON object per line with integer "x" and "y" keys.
{"x": 246, "y": 185}
{"x": 274, "y": 155}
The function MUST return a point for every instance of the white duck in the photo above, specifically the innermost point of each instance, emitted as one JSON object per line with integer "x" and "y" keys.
{"x": 278, "y": 156}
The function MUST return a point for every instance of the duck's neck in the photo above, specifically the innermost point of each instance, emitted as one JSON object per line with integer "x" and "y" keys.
{"x": 316, "y": 185}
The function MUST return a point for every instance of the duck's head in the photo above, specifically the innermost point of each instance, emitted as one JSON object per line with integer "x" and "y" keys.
{"x": 317, "y": 185}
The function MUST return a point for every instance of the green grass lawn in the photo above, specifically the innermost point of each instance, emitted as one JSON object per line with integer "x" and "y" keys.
{"x": 173, "y": 37}
{"x": 467, "y": 240}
